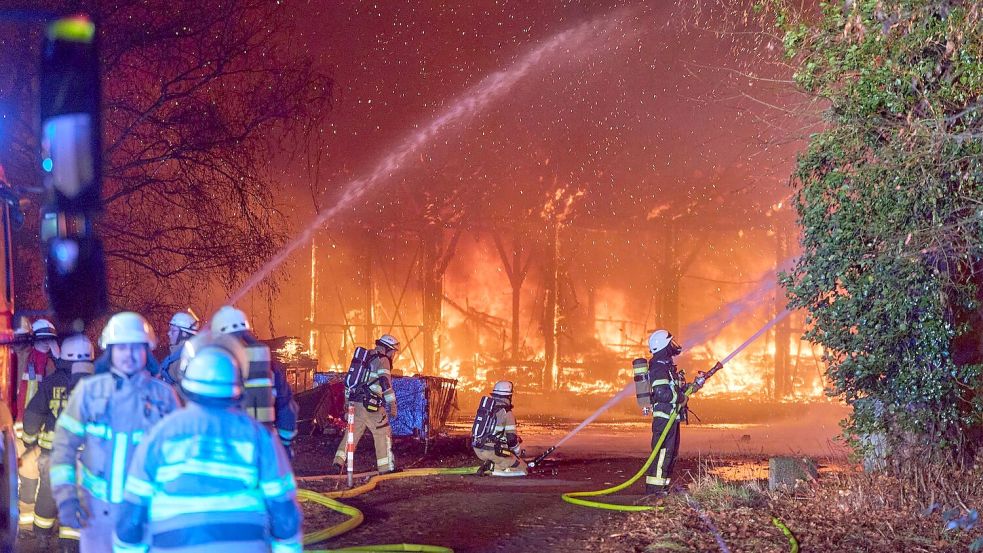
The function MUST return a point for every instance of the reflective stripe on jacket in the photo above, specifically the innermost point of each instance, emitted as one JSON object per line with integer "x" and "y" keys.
{"x": 212, "y": 475}
{"x": 663, "y": 379}
{"x": 380, "y": 369}
{"x": 106, "y": 417}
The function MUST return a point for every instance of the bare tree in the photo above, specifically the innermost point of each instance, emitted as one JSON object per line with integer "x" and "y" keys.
{"x": 200, "y": 99}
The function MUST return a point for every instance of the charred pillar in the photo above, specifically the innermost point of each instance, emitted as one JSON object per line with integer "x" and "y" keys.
{"x": 313, "y": 335}
{"x": 516, "y": 269}
{"x": 551, "y": 376}
{"x": 670, "y": 274}
{"x": 437, "y": 254}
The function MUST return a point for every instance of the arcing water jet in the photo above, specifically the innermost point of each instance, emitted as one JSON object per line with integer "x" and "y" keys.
{"x": 467, "y": 105}
{"x": 696, "y": 334}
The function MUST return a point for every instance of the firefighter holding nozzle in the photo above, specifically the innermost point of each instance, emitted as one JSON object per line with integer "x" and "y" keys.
{"x": 494, "y": 437}
{"x": 660, "y": 390}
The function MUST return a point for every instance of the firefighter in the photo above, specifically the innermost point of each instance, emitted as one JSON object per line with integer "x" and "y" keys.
{"x": 22, "y": 347}
{"x": 40, "y": 361}
{"x": 666, "y": 394}
{"x": 210, "y": 474}
{"x": 183, "y": 326}
{"x": 107, "y": 415}
{"x": 370, "y": 414}
{"x": 39, "y": 432}
{"x": 267, "y": 396}
{"x": 499, "y": 447}
{"x": 33, "y": 365}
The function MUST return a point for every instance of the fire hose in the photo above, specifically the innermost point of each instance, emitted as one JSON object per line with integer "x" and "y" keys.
{"x": 575, "y": 497}
{"x": 356, "y": 517}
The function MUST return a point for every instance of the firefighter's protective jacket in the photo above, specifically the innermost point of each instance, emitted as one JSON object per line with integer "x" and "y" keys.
{"x": 666, "y": 391}
{"x": 44, "y": 408}
{"x": 106, "y": 417}
{"x": 505, "y": 433}
{"x": 380, "y": 378}
{"x": 209, "y": 475}
{"x": 33, "y": 367}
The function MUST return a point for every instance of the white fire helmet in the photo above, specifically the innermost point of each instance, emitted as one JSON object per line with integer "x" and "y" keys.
{"x": 127, "y": 328}
{"x": 660, "y": 339}
{"x": 186, "y": 321}
{"x": 388, "y": 341}
{"x": 43, "y": 328}
{"x": 502, "y": 389}
{"x": 228, "y": 319}
{"x": 212, "y": 366}
{"x": 77, "y": 347}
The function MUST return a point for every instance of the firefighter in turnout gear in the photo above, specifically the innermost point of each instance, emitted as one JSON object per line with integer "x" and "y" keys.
{"x": 369, "y": 398}
{"x": 659, "y": 390}
{"x": 183, "y": 326}
{"x": 266, "y": 396}
{"x": 39, "y": 431}
{"x": 39, "y": 362}
{"x": 493, "y": 436}
{"x": 210, "y": 475}
{"x": 106, "y": 417}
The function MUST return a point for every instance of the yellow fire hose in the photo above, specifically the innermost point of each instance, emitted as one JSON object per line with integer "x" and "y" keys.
{"x": 356, "y": 517}
{"x": 574, "y": 497}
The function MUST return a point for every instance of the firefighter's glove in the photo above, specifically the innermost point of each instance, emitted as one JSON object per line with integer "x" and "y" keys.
{"x": 646, "y": 411}
{"x": 71, "y": 514}
{"x": 393, "y": 410}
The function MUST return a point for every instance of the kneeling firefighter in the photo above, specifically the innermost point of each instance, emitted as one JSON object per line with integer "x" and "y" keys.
{"x": 209, "y": 474}
{"x": 493, "y": 435}
{"x": 659, "y": 388}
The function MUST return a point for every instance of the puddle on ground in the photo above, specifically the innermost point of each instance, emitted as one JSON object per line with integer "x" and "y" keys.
{"x": 743, "y": 472}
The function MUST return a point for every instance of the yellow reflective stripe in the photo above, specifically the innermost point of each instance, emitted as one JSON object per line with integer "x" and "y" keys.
{"x": 660, "y": 414}
{"x": 98, "y": 487}
{"x": 69, "y": 533}
{"x": 99, "y": 430}
{"x": 42, "y": 522}
{"x": 166, "y": 506}
{"x": 62, "y": 475}
{"x": 262, "y": 414}
{"x": 656, "y": 481}
{"x": 168, "y": 473}
{"x": 139, "y": 487}
{"x": 259, "y": 383}
{"x": 26, "y": 519}
{"x": 286, "y": 546}
{"x": 119, "y": 468}
{"x": 640, "y": 370}
{"x": 46, "y": 439}
{"x": 178, "y": 450}
{"x": 120, "y": 546}
{"x": 273, "y": 489}
{"x": 661, "y": 382}
{"x": 382, "y": 462}
{"x": 510, "y": 427}
{"x": 29, "y": 439}
{"x": 71, "y": 424}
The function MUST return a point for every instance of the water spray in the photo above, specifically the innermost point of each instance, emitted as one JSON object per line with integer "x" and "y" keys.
{"x": 696, "y": 385}
{"x": 469, "y": 104}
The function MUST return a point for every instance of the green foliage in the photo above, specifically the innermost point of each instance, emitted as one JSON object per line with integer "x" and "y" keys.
{"x": 890, "y": 202}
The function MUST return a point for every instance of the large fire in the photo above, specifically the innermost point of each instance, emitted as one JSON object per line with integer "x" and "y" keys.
{"x": 603, "y": 323}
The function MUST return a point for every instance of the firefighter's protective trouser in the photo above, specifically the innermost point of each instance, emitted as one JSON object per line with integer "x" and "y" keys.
{"x": 510, "y": 462}
{"x": 378, "y": 424}
{"x": 28, "y": 477}
{"x": 660, "y": 472}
